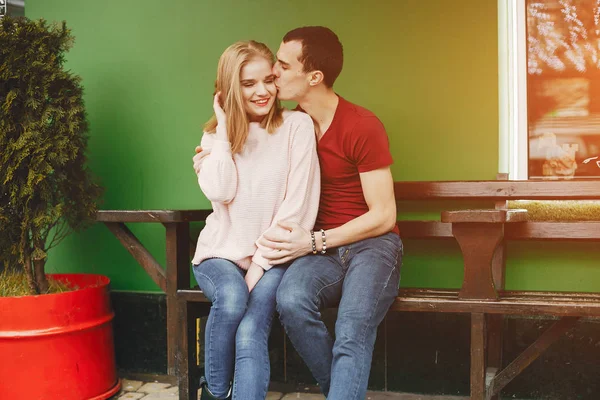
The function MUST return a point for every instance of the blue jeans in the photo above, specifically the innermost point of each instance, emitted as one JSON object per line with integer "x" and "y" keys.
{"x": 363, "y": 279}
{"x": 238, "y": 327}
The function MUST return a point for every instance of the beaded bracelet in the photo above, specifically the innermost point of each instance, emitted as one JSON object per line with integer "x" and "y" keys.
{"x": 314, "y": 244}
{"x": 324, "y": 249}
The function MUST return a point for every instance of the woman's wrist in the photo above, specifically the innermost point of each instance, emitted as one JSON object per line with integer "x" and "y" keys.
{"x": 221, "y": 133}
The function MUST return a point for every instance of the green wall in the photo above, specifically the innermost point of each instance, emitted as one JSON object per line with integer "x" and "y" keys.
{"x": 427, "y": 68}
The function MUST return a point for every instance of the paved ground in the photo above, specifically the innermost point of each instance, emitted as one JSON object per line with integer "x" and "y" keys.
{"x": 135, "y": 390}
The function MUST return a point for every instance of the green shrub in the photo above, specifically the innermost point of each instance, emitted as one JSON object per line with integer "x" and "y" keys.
{"x": 46, "y": 189}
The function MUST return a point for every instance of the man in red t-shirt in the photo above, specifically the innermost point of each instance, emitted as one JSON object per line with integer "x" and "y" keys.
{"x": 352, "y": 258}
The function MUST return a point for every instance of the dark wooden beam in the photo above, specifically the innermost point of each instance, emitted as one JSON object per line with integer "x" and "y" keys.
{"x": 478, "y": 351}
{"x": 178, "y": 277}
{"x": 530, "y": 354}
{"x": 152, "y": 215}
{"x": 139, "y": 252}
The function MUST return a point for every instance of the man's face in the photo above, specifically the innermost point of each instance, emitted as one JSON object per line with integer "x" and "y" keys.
{"x": 291, "y": 81}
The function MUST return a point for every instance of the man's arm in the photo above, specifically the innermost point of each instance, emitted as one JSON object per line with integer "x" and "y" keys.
{"x": 378, "y": 190}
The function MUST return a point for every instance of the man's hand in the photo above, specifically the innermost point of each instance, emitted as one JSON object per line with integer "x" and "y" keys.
{"x": 253, "y": 275}
{"x": 196, "y": 159}
{"x": 287, "y": 242}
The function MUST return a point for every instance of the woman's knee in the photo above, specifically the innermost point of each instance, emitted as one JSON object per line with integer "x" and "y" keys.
{"x": 231, "y": 299}
{"x": 250, "y": 334}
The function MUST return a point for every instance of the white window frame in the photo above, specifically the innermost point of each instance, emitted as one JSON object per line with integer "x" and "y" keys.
{"x": 512, "y": 85}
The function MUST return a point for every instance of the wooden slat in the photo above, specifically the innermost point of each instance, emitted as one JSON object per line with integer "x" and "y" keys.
{"x": 553, "y": 296}
{"x": 530, "y": 354}
{"x": 424, "y": 229}
{"x": 498, "y": 190}
{"x": 510, "y": 303}
{"x": 486, "y": 216}
{"x": 584, "y": 230}
{"x": 152, "y": 215}
{"x": 506, "y": 294}
{"x": 446, "y": 300}
{"x": 191, "y": 295}
{"x": 548, "y": 230}
{"x": 139, "y": 252}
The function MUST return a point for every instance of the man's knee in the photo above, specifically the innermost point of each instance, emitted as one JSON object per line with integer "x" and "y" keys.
{"x": 285, "y": 301}
{"x": 291, "y": 299}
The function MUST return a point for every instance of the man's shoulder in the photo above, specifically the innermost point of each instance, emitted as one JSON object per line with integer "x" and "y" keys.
{"x": 353, "y": 110}
{"x": 358, "y": 121}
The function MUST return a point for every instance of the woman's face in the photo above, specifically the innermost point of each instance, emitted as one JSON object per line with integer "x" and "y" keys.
{"x": 258, "y": 88}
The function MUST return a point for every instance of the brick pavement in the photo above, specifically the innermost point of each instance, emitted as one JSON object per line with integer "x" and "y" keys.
{"x": 138, "y": 390}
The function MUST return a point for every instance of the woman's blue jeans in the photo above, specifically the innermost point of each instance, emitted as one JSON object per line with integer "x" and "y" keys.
{"x": 238, "y": 327}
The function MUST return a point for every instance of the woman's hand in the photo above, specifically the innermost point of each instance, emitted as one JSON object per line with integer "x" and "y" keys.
{"x": 253, "y": 275}
{"x": 221, "y": 119}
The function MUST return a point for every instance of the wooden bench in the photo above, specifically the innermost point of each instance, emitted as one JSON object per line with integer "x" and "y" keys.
{"x": 482, "y": 235}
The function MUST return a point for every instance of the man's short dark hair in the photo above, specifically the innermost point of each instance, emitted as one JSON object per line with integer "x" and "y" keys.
{"x": 321, "y": 50}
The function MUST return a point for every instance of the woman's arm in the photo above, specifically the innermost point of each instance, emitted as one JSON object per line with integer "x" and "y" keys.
{"x": 214, "y": 165}
{"x": 301, "y": 202}
{"x": 216, "y": 170}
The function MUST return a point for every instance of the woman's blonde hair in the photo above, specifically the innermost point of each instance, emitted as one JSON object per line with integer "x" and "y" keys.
{"x": 233, "y": 59}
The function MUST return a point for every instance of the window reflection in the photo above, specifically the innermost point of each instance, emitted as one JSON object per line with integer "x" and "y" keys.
{"x": 14, "y": 8}
{"x": 563, "y": 88}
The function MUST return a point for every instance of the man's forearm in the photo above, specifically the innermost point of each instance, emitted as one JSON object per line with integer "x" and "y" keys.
{"x": 371, "y": 224}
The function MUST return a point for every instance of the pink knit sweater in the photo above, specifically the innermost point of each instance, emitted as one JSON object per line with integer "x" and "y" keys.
{"x": 275, "y": 178}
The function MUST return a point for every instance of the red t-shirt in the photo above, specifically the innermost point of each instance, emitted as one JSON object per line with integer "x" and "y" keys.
{"x": 355, "y": 142}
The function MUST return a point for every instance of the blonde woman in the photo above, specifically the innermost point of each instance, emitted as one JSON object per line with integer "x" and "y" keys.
{"x": 258, "y": 166}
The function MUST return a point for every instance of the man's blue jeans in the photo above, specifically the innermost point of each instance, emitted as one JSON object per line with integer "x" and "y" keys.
{"x": 237, "y": 330}
{"x": 363, "y": 278}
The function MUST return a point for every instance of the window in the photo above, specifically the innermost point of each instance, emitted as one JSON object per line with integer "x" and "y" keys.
{"x": 550, "y": 88}
{"x": 12, "y": 7}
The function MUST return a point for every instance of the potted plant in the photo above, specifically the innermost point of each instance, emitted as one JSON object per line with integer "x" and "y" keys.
{"x": 53, "y": 345}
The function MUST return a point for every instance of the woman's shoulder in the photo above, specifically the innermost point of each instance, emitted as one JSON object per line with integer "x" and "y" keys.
{"x": 296, "y": 118}
{"x": 207, "y": 137}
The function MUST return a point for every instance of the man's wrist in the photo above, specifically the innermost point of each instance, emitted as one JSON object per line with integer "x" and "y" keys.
{"x": 320, "y": 241}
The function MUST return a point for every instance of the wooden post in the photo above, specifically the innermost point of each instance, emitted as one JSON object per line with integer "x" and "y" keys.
{"x": 178, "y": 277}
{"x": 477, "y": 356}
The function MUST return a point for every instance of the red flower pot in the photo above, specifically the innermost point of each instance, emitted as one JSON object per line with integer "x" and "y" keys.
{"x": 59, "y": 346}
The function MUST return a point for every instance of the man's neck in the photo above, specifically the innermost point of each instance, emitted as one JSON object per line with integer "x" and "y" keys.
{"x": 321, "y": 106}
